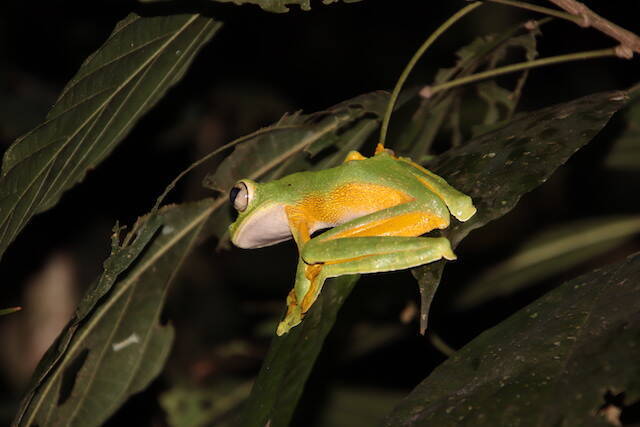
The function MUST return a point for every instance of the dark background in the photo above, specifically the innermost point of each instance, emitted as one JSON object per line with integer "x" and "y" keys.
{"x": 259, "y": 66}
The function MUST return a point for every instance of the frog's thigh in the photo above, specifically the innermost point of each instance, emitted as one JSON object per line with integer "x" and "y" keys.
{"x": 370, "y": 255}
{"x": 365, "y": 249}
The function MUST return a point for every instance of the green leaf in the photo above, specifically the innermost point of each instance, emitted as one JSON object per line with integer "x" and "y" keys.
{"x": 115, "y": 86}
{"x": 115, "y": 345}
{"x": 287, "y": 366}
{"x": 276, "y": 6}
{"x": 555, "y": 362}
{"x": 497, "y": 168}
{"x": 551, "y": 252}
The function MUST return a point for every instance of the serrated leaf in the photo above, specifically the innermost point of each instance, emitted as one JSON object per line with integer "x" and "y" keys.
{"x": 293, "y": 134}
{"x": 120, "y": 259}
{"x": 551, "y": 363}
{"x": 118, "y": 347}
{"x": 288, "y": 364}
{"x": 497, "y": 168}
{"x": 115, "y": 86}
{"x": 551, "y": 252}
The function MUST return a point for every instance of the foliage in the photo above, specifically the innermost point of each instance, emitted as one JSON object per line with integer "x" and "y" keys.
{"x": 114, "y": 350}
{"x": 117, "y": 343}
{"x": 538, "y": 358}
{"x": 113, "y": 88}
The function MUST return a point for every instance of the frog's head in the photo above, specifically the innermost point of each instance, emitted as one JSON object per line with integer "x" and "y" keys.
{"x": 262, "y": 220}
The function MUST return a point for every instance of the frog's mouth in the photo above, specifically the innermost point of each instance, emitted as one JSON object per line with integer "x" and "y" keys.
{"x": 264, "y": 227}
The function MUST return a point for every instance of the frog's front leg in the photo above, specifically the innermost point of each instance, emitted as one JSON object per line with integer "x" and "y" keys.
{"x": 294, "y": 312}
{"x": 299, "y": 227}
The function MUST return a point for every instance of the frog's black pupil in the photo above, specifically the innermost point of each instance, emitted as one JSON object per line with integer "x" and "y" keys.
{"x": 233, "y": 194}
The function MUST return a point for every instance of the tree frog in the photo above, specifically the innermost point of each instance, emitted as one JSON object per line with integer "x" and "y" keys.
{"x": 375, "y": 209}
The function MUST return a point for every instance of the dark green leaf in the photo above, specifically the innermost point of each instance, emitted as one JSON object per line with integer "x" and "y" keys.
{"x": 116, "y": 85}
{"x": 116, "y": 346}
{"x": 551, "y": 252}
{"x": 497, "y": 168}
{"x": 556, "y": 362}
{"x": 291, "y": 357}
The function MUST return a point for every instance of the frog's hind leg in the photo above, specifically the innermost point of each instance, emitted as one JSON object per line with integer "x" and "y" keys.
{"x": 369, "y": 255}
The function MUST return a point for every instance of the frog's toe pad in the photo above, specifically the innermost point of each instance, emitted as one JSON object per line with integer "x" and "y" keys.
{"x": 294, "y": 317}
{"x": 446, "y": 251}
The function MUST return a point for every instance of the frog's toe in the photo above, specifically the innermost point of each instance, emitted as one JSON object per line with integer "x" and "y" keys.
{"x": 293, "y": 318}
{"x": 445, "y": 249}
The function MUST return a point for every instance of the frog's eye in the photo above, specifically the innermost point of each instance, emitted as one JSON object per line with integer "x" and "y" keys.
{"x": 239, "y": 196}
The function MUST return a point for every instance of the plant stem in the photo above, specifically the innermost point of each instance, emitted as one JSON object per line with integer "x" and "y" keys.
{"x": 4, "y": 311}
{"x": 407, "y": 70}
{"x": 539, "y": 9}
{"x": 428, "y": 91}
{"x": 581, "y": 15}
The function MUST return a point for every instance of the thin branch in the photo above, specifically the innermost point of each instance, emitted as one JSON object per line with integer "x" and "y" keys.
{"x": 629, "y": 42}
{"x": 539, "y": 9}
{"x": 429, "y": 91}
{"x": 416, "y": 56}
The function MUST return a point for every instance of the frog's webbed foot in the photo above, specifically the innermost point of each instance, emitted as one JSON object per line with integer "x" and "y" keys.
{"x": 294, "y": 315}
